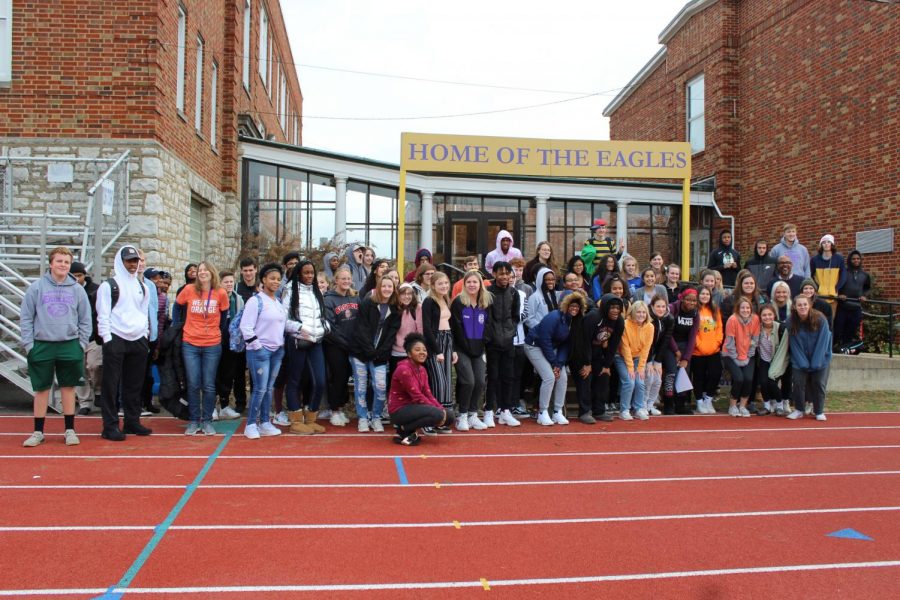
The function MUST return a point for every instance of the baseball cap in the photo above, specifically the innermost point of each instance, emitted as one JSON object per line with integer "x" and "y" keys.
{"x": 598, "y": 223}
{"x": 129, "y": 253}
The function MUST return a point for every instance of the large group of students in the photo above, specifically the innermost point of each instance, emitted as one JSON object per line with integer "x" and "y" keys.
{"x": 635, "y": 342}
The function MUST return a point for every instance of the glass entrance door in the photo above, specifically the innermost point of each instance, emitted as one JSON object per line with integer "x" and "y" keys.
{"x": 468, "y": 233}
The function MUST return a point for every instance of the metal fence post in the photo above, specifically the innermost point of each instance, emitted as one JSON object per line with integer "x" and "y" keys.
{"x": 43, "y": 243}
{"x": 98, "y": 239}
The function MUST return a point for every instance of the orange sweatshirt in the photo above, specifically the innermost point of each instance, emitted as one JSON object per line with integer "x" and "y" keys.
{"x": 710, "y": 333}
{"x": 741, "y": 339}
{"x": 636, "y": 342}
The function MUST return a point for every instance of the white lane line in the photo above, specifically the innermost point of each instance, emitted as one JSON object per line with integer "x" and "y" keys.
{"x": 442, "y": 484}
{"x": 562, "y": 454}
{"x": 476, "y": 584}
{"x": 457, "y": 524}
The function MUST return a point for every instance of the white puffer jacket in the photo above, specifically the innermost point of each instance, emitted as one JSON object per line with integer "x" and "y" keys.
{"x": 309, "y": 325}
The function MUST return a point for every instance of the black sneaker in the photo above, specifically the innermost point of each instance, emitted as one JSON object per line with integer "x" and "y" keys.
{"x": 84, "y": 411}
{"x": 113, "y": 435}
{"x": 412, "y": 439}
{"x": 137, "y": 429}
{"x": 519, "y": 412}
{"x": 444, "y": 429}
{"x": 429, "y": 431}
{"x": 152, "y": 409}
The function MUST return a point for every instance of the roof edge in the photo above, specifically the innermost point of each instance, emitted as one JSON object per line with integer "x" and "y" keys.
{"x": 688, "y": 10}
{"x": 635, "y": 82}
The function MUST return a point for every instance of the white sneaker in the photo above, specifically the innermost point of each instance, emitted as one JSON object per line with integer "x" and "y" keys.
{"x": 229, "y": 414}
{"x": 559, "y": 418}
{"x": 744, "y": 411}
{"x": 377, "y": 427}
{"x": 808, "y": 409}
{"x": 642, "y": 414}
{"x": 819, "y": 417}
{"x": 215, "y": 414}
{"x": 324, "y": 414}
{"x": 626, "y": 416}
{"x": 489, "y": 418}
{"x": 710, "y": 409}
{"x": 72, "y": 439}
{"x": 251, "y": 432}
{"x": 734, "y": 411}
{"x": 544, "y": 418}
{"x": 462, "y": 423}
{"x": 337, "y": 419}
{"x": 268, "y": 430}
{"x": 282, "y": 420}
{"x": 654, "y": 411}
{"x": 475, "y": 422}
{"x": 506, "y": 418}
{"x": 35, "y": 439}
{"x": 362, "y": 426}
{"x": 795, "y": 414}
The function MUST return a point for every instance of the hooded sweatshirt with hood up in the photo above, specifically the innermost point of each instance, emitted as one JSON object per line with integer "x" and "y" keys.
{"x": 725, "y": 255}
{"x": 55, "y": 312}
{"x": 129, "y": 318}
{"x": 498, "y": 255}
{"x": 327, "y": 266}
{"x": 856, "y": 281}
{"x": 542, "y": 301}
{"x": 357, "y": 269}
{"x": 420, "y": 254}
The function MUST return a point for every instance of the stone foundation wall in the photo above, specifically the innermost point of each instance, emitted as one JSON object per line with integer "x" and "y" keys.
{"x": 160, "y": 190}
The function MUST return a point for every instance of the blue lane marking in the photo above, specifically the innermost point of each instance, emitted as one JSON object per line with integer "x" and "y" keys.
{"x": 118, "y": 590}
{"x": 850, "y": 534}
{"x": 401, "y": 472}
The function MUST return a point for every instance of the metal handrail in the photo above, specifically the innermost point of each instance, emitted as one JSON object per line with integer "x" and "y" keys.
{"x": 6, "y": 348}
{"x": 15, "y": 274}
{"x": 10, "y": 323}
{"x": 60, "y": 216}
{"x": 10, "y": 287}
{"x": 11, "y": 306}
{"x": 10, "y": 332}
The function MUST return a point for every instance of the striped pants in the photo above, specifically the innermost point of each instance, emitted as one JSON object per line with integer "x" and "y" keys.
{"x": 439, "y": 372}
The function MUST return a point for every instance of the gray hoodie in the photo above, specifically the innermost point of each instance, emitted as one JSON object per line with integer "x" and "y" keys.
{"x": 129, "y": 319}
{"x": 55, "y": 312}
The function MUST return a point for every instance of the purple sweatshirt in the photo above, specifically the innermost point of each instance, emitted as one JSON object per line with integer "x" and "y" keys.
{"x": 267, "y": 327}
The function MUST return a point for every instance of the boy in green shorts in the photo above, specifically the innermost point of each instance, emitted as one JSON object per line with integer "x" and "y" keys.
{"x": 56, "y": 329}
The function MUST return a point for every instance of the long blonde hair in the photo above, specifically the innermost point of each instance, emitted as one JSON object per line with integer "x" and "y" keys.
{"x": 482, "y": 300}
{"x": 438, "y": 275}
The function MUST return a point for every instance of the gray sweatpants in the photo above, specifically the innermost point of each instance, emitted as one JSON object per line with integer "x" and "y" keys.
{"x": 549, "y": 384}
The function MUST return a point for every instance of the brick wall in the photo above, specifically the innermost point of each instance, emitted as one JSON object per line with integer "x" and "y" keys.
{"x": 801, "y": 117}
{"x": 94, "y": 69}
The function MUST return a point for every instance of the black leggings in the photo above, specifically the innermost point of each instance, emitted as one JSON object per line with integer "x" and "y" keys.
{"x": 413, "y": 416}
{"x": 768, "y": 386}
{"x": 741, "y": 377}
{"x": 337, "y": 363}
{"x": 706, "y": 372}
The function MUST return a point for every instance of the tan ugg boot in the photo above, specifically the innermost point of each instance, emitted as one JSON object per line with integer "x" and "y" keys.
{"x": 310, "y": 419}
{"x": 297, "y": 424}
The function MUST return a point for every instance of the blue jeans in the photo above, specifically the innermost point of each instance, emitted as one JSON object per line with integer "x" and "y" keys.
{"x": 263, "y": 365}
{"x": 631, "y": 391}
{"x": 314, "y": 359}
{"x": 200, "y": 366}
{"x": 362, "y": 374}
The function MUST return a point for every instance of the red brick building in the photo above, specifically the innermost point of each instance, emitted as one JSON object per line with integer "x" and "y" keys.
{"x": 794, "y": 117}
{"x": 172, "y": 81}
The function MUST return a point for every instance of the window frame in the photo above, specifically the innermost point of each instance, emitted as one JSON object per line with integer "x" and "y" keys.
{"x": 245, "y": 46}
{"x": 691, "y": 120}
{"x": 198, "y": 88}
{"x": 6, "y": 17}
{"x": 213, "y": 103}
{"x": 263, "y": 48}
{"x": 282, "y": 103}
{"x": 180, "y": 59}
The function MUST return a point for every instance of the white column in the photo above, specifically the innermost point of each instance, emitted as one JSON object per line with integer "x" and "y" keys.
{"x": 426, "y": 239}
{"x": 622, "y": 223}
{"x": 540, "y": 218}
{"x": 340, "y": 208}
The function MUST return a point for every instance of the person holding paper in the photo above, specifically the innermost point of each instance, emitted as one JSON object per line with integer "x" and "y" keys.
{"x": 684, "y": 338}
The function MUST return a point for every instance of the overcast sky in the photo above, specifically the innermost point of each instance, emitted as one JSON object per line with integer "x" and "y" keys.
{"x": 577, "y": 47}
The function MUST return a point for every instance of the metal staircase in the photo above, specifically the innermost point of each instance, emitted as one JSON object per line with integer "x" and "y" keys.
{"x": 89, "y": 229}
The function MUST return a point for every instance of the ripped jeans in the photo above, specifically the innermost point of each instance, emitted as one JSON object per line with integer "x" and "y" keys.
{"x": 263, "y": 365}
{"x": 363, "y": 373}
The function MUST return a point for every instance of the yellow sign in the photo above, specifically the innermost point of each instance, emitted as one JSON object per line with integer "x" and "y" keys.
{"x": 424, "y": 152}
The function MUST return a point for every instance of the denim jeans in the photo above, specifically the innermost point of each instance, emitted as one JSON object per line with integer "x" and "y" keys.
{"x": 307, "y": 362}
{"x": 200, "y": 366}
{"x": 362, "y": 374}
{"x": 631, "y": 391}
{"x": 263, "y": 365}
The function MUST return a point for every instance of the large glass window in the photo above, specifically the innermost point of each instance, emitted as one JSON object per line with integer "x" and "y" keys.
{"x": 245, "y": 48}
{"x": 696, "y": 125}
{"x": 5, "y": 41}
{"x": 372, "y": 217}
{"x": 213, "y": 103}
{"x": 198, "y": 87}
{"x": 262, "y": 56}
{"x": 179, "y": 54}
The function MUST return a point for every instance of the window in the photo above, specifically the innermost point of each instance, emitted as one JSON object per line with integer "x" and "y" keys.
{"x": 197, "y": 250}
{"x": 263, "y": 56}
{"x": 179, "y": 87}
{"x": 296, "y": 131}
{"x": 245, "y": 48}
{"x": 282, "y": 105}
{"x": 213, "y": 105}
{"x": 198, "y": 89}
{"x": 5, "y": 41}
{"x": 696, "y": 126}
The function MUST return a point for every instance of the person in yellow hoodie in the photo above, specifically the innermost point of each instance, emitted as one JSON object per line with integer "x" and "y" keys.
{"x": 706, "y": 363}
{"x": 631, "y": 361}
{"x": 828, "y": 270}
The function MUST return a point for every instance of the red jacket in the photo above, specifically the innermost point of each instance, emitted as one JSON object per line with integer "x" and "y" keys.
{"x": 410, "y": 386}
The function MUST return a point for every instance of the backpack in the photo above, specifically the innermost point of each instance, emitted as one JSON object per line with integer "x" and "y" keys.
{"x": 236, "y": 341}
{"x": 114, "y": 291}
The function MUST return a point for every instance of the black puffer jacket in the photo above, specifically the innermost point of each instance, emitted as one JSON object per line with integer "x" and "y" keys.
{"x": 366, "y": 330}
{"x": 504, "y": 316}
{"x": 172, "y": 381}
